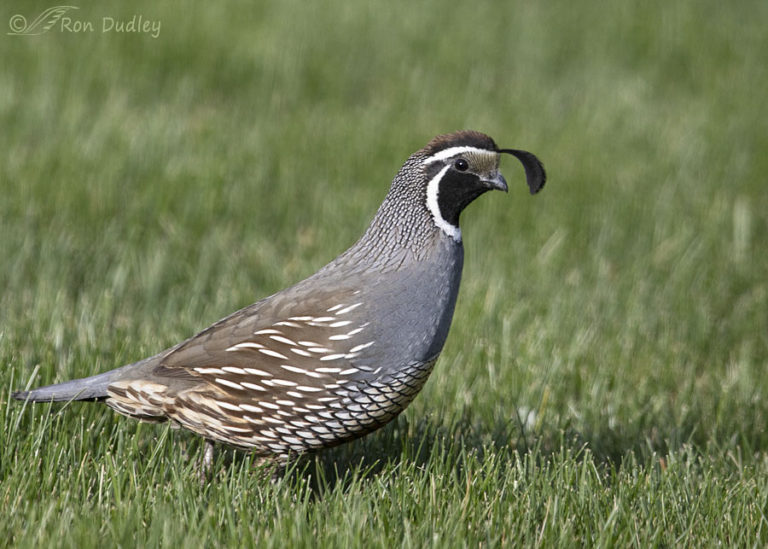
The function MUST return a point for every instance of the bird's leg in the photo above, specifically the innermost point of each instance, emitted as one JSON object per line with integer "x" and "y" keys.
{"x": 207, "y": 462}
{"x": 269, "y": 467}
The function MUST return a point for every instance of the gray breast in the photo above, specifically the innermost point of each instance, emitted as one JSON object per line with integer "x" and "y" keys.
{"x": 411, "y": 307}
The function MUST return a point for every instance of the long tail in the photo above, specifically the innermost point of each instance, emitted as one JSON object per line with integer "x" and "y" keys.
{"x": 87, "y": 388}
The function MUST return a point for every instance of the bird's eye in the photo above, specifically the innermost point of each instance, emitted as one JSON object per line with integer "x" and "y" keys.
{"x": 461, "y": 165}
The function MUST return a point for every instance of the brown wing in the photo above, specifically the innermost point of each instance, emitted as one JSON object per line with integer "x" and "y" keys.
{"x": 284, "y": 375}
{"x": 273, "y": 377}
{"x": 271, "y": 331}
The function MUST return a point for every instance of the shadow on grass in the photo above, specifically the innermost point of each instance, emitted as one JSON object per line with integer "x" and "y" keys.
{"x": 427, "y": 446}
{"x": 448, "y": 445}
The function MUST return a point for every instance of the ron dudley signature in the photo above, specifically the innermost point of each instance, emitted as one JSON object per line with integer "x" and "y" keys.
{"x": 60, "y": 18}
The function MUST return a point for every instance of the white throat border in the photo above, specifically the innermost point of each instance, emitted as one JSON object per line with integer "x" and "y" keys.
{"x": 432, "y": 191}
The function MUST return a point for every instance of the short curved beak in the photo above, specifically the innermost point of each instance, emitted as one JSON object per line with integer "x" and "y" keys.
{"x": 497, "y": 181}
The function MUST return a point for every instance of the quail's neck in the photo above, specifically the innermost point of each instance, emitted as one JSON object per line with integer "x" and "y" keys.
{"x": 398, "y": 228}
{"x": 402, "y": 231}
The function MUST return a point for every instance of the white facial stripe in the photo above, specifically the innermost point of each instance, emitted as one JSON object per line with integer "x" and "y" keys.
{"x": 453, "y": 151}
{"x": 432, "y": 189}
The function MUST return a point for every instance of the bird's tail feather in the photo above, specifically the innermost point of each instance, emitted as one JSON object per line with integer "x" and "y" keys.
{"x": 87, "y": 388}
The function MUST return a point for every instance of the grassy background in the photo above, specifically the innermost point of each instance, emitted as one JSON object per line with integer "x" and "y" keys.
{"x": 604, "y": 382}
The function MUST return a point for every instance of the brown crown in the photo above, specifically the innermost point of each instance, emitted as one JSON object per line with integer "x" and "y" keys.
{"x": 464, "y": 138}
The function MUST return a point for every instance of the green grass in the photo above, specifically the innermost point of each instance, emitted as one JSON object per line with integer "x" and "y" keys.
{"x": 604, "y": 382}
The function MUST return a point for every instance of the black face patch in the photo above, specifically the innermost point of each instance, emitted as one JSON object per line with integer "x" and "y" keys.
{"x": 455, "y": 191}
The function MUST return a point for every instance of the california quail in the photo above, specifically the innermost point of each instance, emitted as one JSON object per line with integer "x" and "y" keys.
{"x": 339, "y": 354}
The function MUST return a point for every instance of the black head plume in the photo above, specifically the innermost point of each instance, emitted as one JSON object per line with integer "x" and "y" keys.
{"x": 534, "y": 169}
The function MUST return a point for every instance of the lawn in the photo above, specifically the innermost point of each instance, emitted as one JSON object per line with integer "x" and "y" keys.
{"x": 604, "y": 382}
